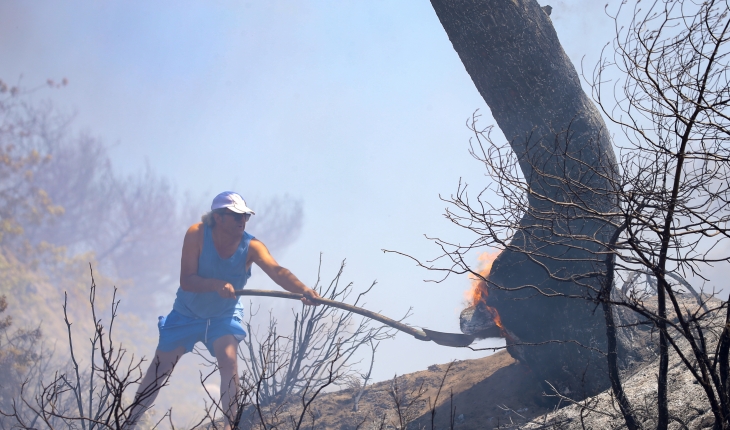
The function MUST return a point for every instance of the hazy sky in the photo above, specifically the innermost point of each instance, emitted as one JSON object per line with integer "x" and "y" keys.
{"x": 356, "y": 108}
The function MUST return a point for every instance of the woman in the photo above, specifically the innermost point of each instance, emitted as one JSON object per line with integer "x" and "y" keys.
{"x": 216, "y": 261}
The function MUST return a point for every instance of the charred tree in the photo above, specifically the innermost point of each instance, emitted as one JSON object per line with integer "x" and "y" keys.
{"x": 553, "y": 262}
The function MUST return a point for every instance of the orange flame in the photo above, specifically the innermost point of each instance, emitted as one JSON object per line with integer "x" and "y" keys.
{"x": 478, "y": 291}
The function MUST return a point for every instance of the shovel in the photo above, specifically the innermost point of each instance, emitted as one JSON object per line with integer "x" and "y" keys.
{"x": 456, "y": 340}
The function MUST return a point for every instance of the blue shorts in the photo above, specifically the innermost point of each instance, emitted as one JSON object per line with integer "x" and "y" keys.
{"x": 178, "y": 330}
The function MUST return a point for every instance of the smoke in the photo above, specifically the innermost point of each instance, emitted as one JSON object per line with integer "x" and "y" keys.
{"x": 64, "y": 206}
{"x": 278, "y": 222}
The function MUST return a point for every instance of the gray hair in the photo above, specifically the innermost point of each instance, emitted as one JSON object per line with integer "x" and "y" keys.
{"x": 208, "y": 218}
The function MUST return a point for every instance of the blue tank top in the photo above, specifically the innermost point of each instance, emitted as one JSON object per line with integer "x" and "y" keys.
{"x": 211, "y": 265}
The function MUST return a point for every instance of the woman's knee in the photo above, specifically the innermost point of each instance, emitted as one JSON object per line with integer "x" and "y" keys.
{"x": 165, "y": 361}
{"x": 226, "y": 352}
{"x": 228, "y": 364}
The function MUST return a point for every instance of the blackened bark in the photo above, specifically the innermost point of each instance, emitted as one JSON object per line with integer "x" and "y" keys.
{"x": 613, "y": 370}
{"x": 512, "y": 53}
{"x": 723, "y": 357}
{"x": 662, "y": 400}
{"x": 611, "y": 335}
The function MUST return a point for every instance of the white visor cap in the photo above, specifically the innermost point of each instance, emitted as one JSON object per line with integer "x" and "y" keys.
{"x": 231, "y": 201}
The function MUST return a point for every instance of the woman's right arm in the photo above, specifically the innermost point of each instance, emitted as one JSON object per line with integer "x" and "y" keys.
{"x": 189, "y": 279}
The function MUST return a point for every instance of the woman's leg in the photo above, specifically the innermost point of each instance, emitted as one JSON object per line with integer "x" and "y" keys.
{"x": 226, "y": 348}
{"x": 157, "y": 375}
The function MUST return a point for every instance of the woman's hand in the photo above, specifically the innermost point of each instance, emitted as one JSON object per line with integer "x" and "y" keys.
{"x": 310, "y": 297}
{"x": 227, "y": 291}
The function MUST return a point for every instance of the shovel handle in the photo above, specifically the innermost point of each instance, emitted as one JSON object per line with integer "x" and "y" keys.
{"x": 418, "y": 334}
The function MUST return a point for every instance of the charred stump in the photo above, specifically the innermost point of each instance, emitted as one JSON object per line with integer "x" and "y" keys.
{"x": 512, "y": 53}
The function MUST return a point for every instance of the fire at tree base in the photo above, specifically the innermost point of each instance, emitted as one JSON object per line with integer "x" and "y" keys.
{"x": 560, "y": 339}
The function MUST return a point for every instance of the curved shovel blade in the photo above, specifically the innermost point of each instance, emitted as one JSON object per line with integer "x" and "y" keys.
{"x": 455, "y": 340}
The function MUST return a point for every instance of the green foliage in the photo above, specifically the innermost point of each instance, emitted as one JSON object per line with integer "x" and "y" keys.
{"x": 22, "y": 201}
{"x": 19, "y": 356}
{"x": 33, "y": 273}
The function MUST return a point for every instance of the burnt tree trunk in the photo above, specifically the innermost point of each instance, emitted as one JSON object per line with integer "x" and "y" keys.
{"x": 512, "y": 53}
